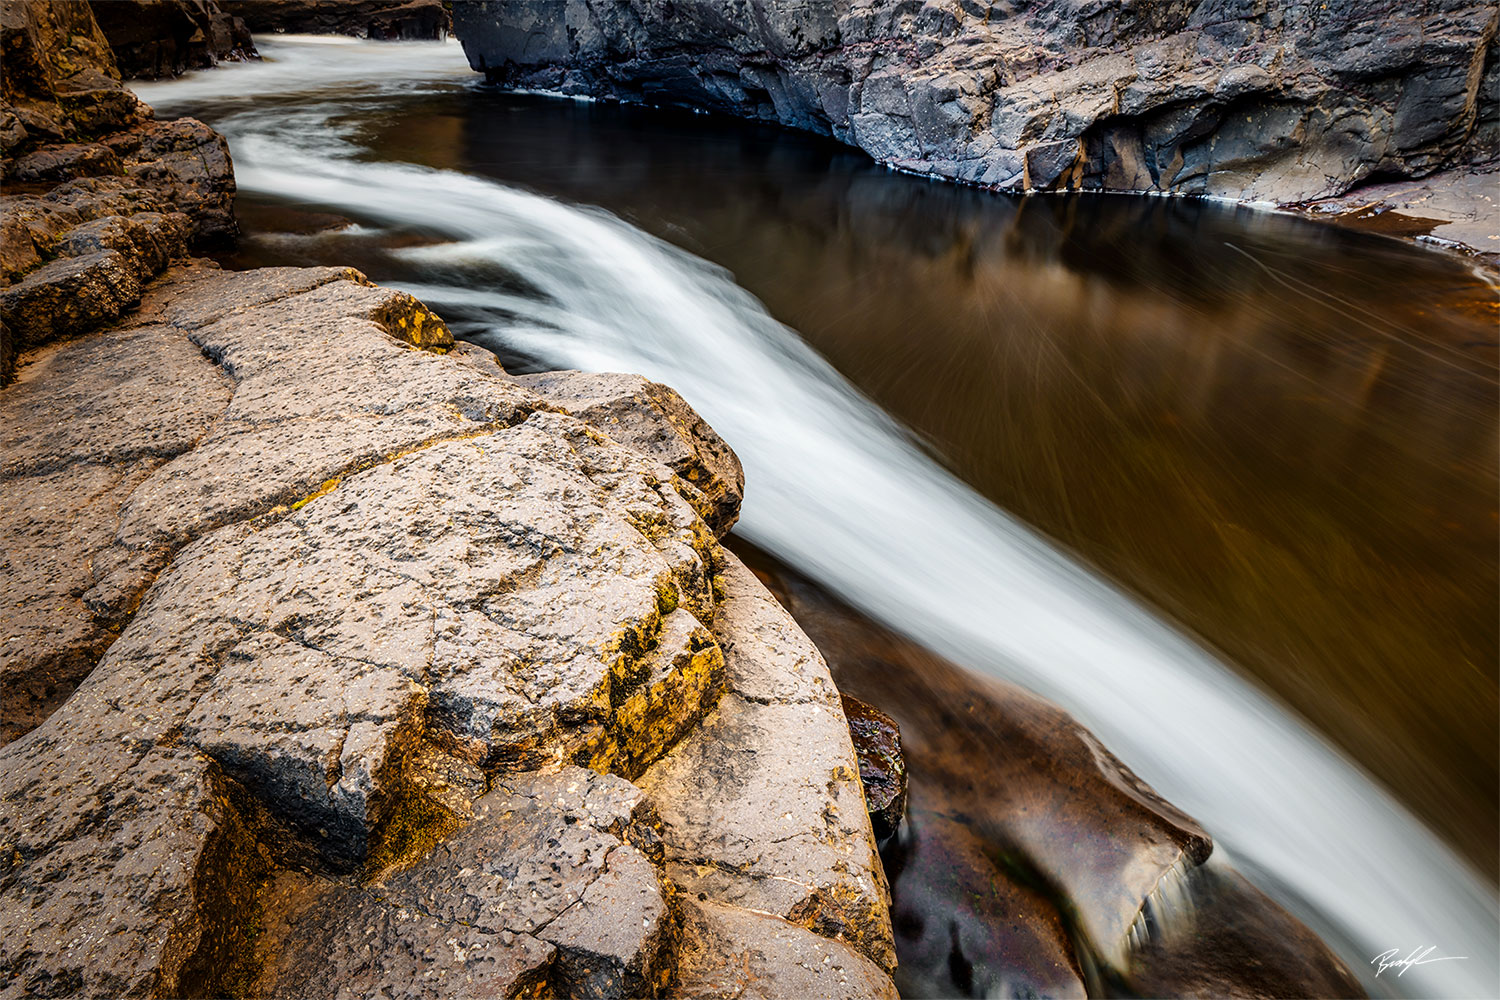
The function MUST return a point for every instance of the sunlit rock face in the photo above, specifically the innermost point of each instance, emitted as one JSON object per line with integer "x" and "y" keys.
{"x": 1267, "y": 102}
{"x": 366, "y": 667}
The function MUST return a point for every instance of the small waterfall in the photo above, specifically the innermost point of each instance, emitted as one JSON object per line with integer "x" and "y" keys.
{"x": 838, "y": 490}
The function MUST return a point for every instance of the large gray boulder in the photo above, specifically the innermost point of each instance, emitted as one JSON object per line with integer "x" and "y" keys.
{"x": 1267, "y": 102}
{"x": 652, "y": 418}
{"x": 332, "y": 658}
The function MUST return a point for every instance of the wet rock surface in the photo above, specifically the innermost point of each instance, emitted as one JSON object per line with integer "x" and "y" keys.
{"x": 379, "y": 19}
{"x": 98, "y": 196}
{"x": 1264, "y": 102}
{"x": 156, "y": 38}
{"x": 1452, "y": 209}
{"x": 882, "y": 765}
{"x": 1031, "y": 857}
{"x": 369, "y": 643}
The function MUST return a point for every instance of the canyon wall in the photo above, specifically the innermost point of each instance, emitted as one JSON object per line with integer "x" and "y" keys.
{"x": 1244, "y": 99}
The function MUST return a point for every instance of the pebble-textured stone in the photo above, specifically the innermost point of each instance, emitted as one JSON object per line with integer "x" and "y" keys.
{"x": 762, "y": 806}
{"x": 367, "y": 591}
{"x": 652, "y": 418}
{"x": 735, "y": 954}
{"x": 544, "y": 881}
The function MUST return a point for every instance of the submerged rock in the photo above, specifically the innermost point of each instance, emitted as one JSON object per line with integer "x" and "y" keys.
{"x": 967, "y": 928}
{"x": 882, "y": 765}
{"x": 1032, "y": 858}
{"x": 1234, "y": 941}
{"x": 1263, "y": 102}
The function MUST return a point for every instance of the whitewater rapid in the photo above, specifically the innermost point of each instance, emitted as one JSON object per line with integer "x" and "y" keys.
{"x": 841, "y": 492}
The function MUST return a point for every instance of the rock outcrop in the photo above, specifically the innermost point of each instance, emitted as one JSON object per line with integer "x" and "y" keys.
{"x": 1276, "y": 102}
{"x": 98, "y": 195}
{"x": 156, "y": 38}
{"x": 1455, "y": 209}
{"x": 380, "y": 19}
{"x": 343, "y": 661}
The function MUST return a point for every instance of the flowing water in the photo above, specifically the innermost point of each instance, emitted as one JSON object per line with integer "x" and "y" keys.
{"x": 1219, "y": 482}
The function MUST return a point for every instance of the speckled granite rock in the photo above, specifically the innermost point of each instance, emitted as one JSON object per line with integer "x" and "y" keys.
{"x": 766, "y": 758}
{"x": 735, "y": 954}
{"x": 366, "y": 612}
{"x": 1268, "y": 102}
{"x": 652, "y": 418}
{"x": 547, "y": 881}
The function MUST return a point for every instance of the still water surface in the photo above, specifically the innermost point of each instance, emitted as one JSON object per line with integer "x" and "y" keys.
{"x": 1279, "y": 436}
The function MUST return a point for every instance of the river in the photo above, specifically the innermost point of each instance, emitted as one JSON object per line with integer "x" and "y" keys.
{"x": 1219, "y": 481}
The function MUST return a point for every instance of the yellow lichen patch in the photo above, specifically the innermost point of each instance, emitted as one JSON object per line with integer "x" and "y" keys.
{"x": 667, "y": 597}
{"x": 329, "y": 485}
{"x": 406, "y": 318}
{"x": 684, "y": 676}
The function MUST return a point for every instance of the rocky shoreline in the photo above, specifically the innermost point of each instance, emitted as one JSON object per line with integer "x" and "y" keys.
{"x": 338, "y": 660}
{"x": 1286, "y": 104}
{"x": 375, "y": 587}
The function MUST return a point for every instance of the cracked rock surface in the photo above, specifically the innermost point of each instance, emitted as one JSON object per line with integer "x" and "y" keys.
{"x": 369, "y": 644}
{"x": 1273, "y": 102}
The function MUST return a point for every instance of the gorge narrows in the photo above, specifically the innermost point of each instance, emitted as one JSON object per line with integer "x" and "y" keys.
{"x": 863, "y": 501}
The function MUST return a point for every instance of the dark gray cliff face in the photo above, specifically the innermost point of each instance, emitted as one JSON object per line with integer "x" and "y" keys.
{"x": 1248, "y": 99}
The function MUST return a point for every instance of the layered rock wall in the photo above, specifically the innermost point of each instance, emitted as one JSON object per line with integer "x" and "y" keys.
{"x": 379, "y": 19}
{"x": 1278, "y": 102}
{"x": 98, "y": 196}
{"x": 156, "y": 38}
